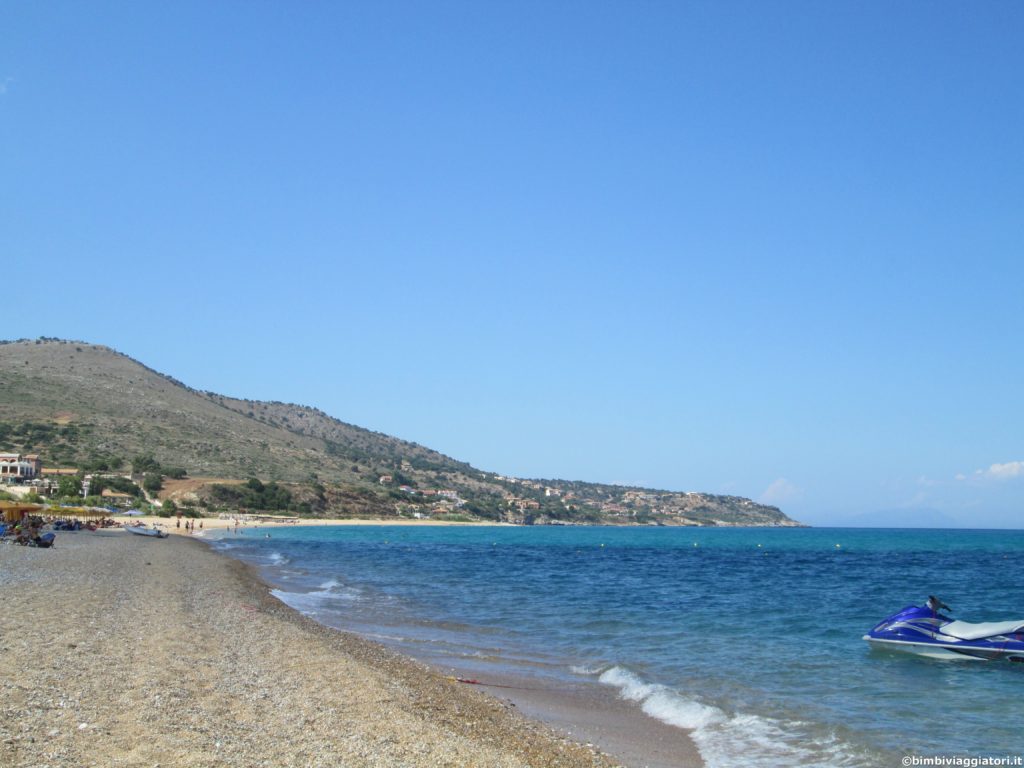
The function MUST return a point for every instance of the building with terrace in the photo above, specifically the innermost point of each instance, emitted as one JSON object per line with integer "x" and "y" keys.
{"x": 17, "y": 468}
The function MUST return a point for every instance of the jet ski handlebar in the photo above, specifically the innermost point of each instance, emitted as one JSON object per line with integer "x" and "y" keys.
{"x": 937, "y": 605}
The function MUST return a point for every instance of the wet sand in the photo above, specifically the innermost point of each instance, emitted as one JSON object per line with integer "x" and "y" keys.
{"x": 593, "y": 714}
{"x": 120, "y": 650}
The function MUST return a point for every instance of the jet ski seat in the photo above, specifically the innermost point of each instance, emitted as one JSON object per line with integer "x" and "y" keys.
{"x": 965, "y": 630}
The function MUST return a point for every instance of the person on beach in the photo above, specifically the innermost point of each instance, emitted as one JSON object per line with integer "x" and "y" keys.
{"x": 179, "y": 523}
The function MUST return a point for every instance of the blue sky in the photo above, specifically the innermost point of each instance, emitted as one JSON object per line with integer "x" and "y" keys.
{"x": 770, "y": 249}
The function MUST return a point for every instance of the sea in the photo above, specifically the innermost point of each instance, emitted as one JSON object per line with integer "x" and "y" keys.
{"x": 751, "y": 638}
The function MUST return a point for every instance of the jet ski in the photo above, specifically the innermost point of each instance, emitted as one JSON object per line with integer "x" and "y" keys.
{"x": 926, "y": 631}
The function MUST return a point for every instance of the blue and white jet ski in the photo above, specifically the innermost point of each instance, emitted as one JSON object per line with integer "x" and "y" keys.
{"x": 926, "y": 631}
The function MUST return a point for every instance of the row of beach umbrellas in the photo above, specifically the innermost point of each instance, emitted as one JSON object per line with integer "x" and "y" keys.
{"x": 13, "y": 511}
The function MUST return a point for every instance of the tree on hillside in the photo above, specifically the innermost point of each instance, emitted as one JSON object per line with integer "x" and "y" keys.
{"x": 145, "y": 463}
{"x": 254, "y": 494}
{"x": 153, "y": 482}
{"x": 69, "y": 485}
{"x": 117, "y": 484}
{"x": 98, "y": 462}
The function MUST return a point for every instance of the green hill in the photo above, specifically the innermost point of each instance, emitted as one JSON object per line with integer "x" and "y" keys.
{"x": 89, "y": 407}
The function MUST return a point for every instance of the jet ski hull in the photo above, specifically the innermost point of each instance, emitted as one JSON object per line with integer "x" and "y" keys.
{"x": 919, "y": 630}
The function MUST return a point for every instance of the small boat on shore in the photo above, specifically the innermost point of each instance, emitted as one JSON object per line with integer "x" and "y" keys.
{"x": 925, "y": 631}
{"x": 142, "y": 530}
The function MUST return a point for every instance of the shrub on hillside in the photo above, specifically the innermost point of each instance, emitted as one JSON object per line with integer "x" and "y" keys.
{"x": 253, "y": 495}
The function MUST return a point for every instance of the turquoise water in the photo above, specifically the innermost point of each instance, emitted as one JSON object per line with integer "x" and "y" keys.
{"x": 751, "y": 637}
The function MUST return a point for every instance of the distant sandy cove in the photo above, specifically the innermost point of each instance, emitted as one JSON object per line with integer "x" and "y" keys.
{"x": 169, "y": 524}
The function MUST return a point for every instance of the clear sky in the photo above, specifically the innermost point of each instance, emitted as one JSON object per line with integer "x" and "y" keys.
{"x": 764, "y": 248}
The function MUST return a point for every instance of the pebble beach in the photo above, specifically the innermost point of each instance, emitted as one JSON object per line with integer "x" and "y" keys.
{"x": 128, "y": 651}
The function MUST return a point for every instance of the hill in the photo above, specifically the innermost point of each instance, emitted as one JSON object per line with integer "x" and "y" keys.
{"x": 90, "y": 407}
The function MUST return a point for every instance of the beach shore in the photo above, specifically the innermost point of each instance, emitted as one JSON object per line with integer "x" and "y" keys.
{"x": 169, "y": 524}
{"x": 127, "y": 651}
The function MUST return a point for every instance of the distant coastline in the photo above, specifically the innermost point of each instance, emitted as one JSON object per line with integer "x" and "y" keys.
{"x": 116, "y": 426}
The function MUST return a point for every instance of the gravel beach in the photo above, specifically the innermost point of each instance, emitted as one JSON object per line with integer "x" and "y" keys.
{"x": 118, "y": 650}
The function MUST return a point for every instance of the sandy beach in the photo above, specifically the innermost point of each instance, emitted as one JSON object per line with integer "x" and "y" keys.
{"x": 169, "y": 524}
{"x": 127, "y": 651}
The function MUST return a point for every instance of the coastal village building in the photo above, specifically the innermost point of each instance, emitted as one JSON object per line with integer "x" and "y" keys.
{"x": 56, "y": 472}
{"x": 15, "y": 467}
{"x": 114, "y": 497}
{"x": 524, "y": 503}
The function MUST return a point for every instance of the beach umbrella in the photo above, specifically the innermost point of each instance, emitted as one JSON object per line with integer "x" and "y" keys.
{"x": 12, "y": 512}
{"x": 77, "y": 512}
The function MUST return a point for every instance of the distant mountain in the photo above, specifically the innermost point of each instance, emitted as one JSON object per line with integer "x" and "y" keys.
{"x": 85, "y": 406}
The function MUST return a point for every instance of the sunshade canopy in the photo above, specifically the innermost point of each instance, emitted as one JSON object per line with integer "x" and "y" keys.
{"x": 78, "y": 512}
{"x": 13, "y": 511}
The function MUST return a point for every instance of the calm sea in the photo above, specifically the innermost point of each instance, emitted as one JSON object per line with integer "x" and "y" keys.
{"x": 750, "y": 637}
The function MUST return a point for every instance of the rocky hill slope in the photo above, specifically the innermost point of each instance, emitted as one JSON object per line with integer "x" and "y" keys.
{"x": 87, "y": 406}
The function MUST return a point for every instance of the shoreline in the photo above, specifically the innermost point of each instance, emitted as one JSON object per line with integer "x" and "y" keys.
{"x": 215, "y": 523}
{"x": 125, "y": 650}
{"x": 585, "y": 710}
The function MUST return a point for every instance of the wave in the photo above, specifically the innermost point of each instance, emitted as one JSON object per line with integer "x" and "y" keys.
{"x": 276, "y": 558}
{"x": 579, "y": 669}
{"x": 735, "y": 740}
{"x": 330, "y": 594}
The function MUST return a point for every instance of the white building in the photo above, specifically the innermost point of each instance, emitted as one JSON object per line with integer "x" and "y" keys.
{"x": 14, "y": 466}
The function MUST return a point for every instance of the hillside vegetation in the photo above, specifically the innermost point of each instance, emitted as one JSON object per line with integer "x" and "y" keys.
{"x": 89, "y": 407}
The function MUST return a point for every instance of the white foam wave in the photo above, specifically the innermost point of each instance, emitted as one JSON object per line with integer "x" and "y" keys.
{"x": 736, "y": 740}
{"x": 579, "y": 669}
{"x": 330, "y": 593}
{"x": 662, "y": 703}
{"x": 276, "y": 558}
